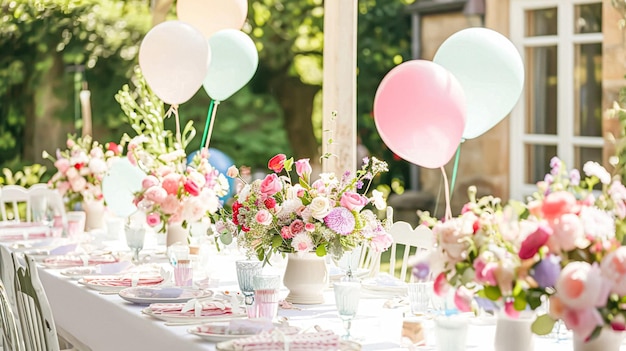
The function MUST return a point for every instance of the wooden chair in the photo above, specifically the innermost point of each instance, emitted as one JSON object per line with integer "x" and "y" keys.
{"x": 12, "y": 196}
{"x": 420, "y": 238}
{"x": 10, "y": 337}
{"x": 37, "y": 324}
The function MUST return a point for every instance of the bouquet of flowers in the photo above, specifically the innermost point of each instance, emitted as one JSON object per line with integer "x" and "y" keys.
{"x": 80, "y": 169}
{"x": 327, "y": 216}
{"x": 563, "y": 244}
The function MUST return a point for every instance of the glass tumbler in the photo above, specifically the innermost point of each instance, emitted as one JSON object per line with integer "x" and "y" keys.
{"x": 266, "y": 289}
{"x": 246, "y": 271}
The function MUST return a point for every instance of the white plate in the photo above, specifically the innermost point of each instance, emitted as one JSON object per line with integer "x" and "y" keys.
{"x": 65, "y": 261}
{"x": 359, "y": 273}
{"x": 148, "y": 295}
{"x": 100, "y": 284}
{"x": 185, "y": 319}
{"x": 218, "y": 331}
{"x": 344, "y": 345}
{"x": 78, "y": 272}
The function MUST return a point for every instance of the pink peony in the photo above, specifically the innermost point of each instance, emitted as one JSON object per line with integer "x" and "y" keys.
{"x": 170, "y": 205}
{"x": 171, "y": 183}
{"x": 614, "y": 268}
{"x": 270, "y": 185}
{"x": 353, "y": 201}
{"x": 582, "y": 285}
{"x": 78, "y": 184}
{"x": 559, "y": 203}
{"x": 263, "y": 217}
{"x": 149, "y": 181}
{"x": 191, "y": 187}
{"x": 153, "y": 219}
{"x": 568, "y": 233}
{"x": 62, "y": 165}
{"x": 296, "y": 227}
{"x": 380, "y": 243}
{"x": 286, "y": 233}
{"x": 277, "y": 163}
{"x": 582, "y": 321}
{"x": 453, "y": 235}
{"x": 303, "y": 168}
{"x": 155, "y": 194}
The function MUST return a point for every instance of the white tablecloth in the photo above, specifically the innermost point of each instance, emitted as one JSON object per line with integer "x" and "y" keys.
{"x": 106, "y": 322}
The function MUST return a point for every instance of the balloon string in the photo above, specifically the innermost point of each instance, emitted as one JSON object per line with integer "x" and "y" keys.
{"x": 206, "y": 124}
{"x": 448, "y": 214}
{"x": 455, "y": 169}
{"x": 174, "y": 110}
{"x": 208, "y": 139}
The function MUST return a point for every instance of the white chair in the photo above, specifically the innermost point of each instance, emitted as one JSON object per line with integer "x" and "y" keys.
{"x": 10, "y": 337}
{"x": 12, "y": 196}
{"x": 53, "y": 200}
{"x": 420, "y": 238}
{"x": 37, "y": 324}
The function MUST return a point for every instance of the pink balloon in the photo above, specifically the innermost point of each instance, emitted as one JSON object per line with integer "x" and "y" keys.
{"x": 419, "y": 110}
{"x": 210, "y": 16}
{"x": 174, "y": 59}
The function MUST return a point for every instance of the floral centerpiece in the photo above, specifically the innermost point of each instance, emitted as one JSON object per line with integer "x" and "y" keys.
{"x": 177, "y": 189}
{"x": 326, "y": 216}
{"x": 563, "y": 244}
{"x": 80, "y": 169}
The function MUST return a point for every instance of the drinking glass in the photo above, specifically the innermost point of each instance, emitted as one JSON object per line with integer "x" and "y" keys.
{"x": 76, "y": 224}
{"x": 266, "y": 295}
{"x": 347, "y": 296}
{"x": 41, "y": 210}
{"x": 419, "y": 297}
{"x": 135, "y": 236}
{"x": 246, "y": 271}
{"x": 183, "y": 273}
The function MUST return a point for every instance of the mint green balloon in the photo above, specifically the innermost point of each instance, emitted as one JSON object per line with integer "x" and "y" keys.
{"x": 491, "y": 72}
{"x": 234, "y": 60}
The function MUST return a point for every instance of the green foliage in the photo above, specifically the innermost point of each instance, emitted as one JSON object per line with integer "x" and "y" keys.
{"x": 25, "y": 177}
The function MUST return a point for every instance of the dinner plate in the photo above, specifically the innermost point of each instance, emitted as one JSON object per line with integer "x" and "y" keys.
{"x": 344, "y": 345}
{"x": 65, "y": 261}
{"x": 186, "y": 319}
{"x": 78, "y": 272}
{"x": 148, "y": 295}
{"x": 218, "y": 331}
{"x": 116, "y": 283}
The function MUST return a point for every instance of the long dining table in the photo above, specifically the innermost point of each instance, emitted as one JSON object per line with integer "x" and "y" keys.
{"x": 104, "y": 321}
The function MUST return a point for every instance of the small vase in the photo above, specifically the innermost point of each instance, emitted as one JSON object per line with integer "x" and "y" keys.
{"x": 306, "y": 277}
{"x": 514, "y": 334}
{"x": 608, "y": 340}
{"x": 175, "y": 233}
{"x": 95, "y": 214}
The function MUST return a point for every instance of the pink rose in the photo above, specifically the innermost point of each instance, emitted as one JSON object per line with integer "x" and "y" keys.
{"x": 319, "y": 186}
{"x": 353, "y": 201}
{"x": 296, "y": 227}
{"x": 277, "y": 163}
{"x": 614, "y": 268}
{"x": 270, "y": 185}
{"x": 559, "y": 203}
{"x": 78, "y": 184}
{"x": 463, "y": 299}
{"x": 191, "y": 187}
{"x": 171, "y": 183}
{"x": 263, "y": 217}
{"x": 485, "y": 271}
{"x": 582, "y": 321}
{"x": 581, "y": 285}
{"x": 149, "y": 181}
{"x": 170, "y": 205}
{"x": 70, "y": 143}
{"x": 153, "y": 219}
{"x": 270, "y": 203}
{"x": 62, "y": 165}
{"x": 309, "y": 227}
{"x": 164, "y": 170}
{"x": 156, "y": 194}
{"x": 568, "y": 233}
{"x": 380, "y": 243}
{"x": 452, "y": 236}
{"x": 303, "y": 168}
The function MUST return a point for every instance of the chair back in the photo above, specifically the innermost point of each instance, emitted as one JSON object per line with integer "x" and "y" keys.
{"x": 7, "y": 274}
{"x": 34, "y": 310}
{"x": 10, "y": 337}
{"x": 420, "y": 238}
{"x": 11, "y": 196}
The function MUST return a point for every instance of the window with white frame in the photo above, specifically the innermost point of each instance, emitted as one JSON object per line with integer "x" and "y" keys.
{"x": 560, "y": 110}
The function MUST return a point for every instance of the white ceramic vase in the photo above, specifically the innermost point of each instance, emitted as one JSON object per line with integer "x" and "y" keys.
{"x": 175, "y": 233}
{"x": 514, "y": 334}
{"x": 95, "y": 210}
{"x": 306, "y": 277}
{"x": 608, "y": 340}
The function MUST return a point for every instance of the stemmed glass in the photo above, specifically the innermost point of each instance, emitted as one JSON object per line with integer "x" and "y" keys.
{"x": 345, "y": 263}
{"x": 135, "y": 236}
{"x": 347, "y": 295}
{"x": 246, "y": 271}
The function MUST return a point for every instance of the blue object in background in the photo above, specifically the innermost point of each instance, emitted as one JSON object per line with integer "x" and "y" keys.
{"x": 221, "y": 162}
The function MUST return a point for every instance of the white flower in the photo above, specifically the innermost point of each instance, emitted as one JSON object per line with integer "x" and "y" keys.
{"x": 243, "y": 194}
{"x": 292, "y": 192}
{"x": 378, "y": 200}
{"x": 302, "y": 242}
{"x": 320, "y": 207}
{"x": 97, "y": 166}
{"x": 592, "y": 168}
{"x": 197, "y": 178}
{"x": 288, "y": 207}
{"x": 172, "y": 156}
{"x": 597, "y": 223}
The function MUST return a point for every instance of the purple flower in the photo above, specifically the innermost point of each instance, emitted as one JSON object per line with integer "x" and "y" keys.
{"x": 547, "y": 271}
{"x": 421, "y": 271}
{"x": 359, "y": 184}
{"x": 574, "y": 177}
{"x": 555, "y": 164}
{"x": 341, "y": 220}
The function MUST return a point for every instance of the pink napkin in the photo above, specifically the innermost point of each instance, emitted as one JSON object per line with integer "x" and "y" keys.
{"x": 277, "y": 340}
{"x": 209, "y": 308}
{"x": 78, "y": 260}
{"x": 124, "y": 281}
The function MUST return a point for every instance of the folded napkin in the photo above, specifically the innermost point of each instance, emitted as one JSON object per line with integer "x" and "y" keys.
{"x": 245, "y": 327}
{"x": 280, "y": 340}
{"x": 113, "y": 268}
{"x": 206, "y": 309}
{"x": 78, "y": 260}
{"x": 125, "y": 280}
{"x": 63, "y": 249}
